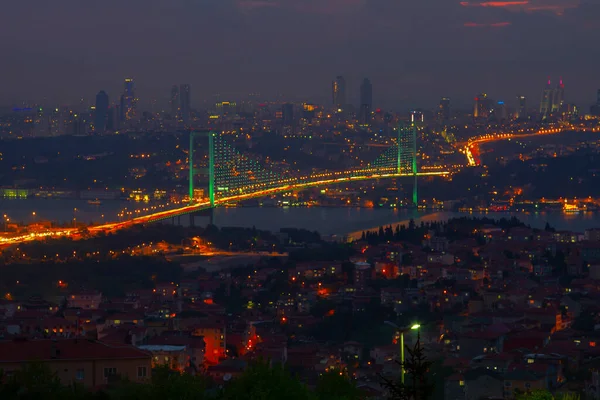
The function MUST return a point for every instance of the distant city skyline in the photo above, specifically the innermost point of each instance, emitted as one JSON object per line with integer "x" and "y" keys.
{"x": 179, "y": 99}
{"x": 413, "y": 52}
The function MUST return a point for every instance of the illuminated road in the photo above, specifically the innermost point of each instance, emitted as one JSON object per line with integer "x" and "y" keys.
{"x": 75, "y": 233}
{"x": 471, "y": 147}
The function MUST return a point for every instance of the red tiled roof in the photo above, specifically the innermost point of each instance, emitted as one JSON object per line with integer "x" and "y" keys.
{"x": 67, "y": 349}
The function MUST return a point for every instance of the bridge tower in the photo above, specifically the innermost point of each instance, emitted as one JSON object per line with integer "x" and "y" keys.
{"x": 211, "y": 164}
{"x": 407, "y": 154}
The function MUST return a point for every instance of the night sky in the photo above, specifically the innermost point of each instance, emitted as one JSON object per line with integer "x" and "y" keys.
{"x": 414, "y": 51}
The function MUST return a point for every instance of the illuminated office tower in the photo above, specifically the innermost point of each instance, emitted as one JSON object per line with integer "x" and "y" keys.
{"x": 417, "y": 117}
{"x": 444, "y": 110}
{"x": 501, "y": 111}
{"x": 42, "y": 123}
{"x": 128, "y": 101}
{"x": 559, "y": 97}
{"x": 339, "y": 92}
{"x": 521, "y": 107}
{"x": 308, "y": 111}
{"x": 185, "y": 97}
{"x": 366, "y": 102}
{"x": 226, "y": 108}
{"x": 57, "y": 127}
{"x": 482, "y": 108}
{"x": 547, "y": 100}
{"x": 101, "y": 117}
{"x": 174, "y": 102}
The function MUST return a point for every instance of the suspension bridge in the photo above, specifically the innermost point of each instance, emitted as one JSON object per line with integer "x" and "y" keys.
{"x": 234, "y": 176}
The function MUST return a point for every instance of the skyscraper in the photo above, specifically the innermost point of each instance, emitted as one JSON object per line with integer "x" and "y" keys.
{"x": 482, "y": 108}
{"x": 339, "y": 92}
{"x": 595, "y": 109}
{"x": 128, "y": 101}
{"x": 366, "y": 102}
{"x": 547, "y": 100}
{"x": 444, "y": 110}
{"x": 287, "y": 114}
{"x": 174, "y": 102}
{"x": 559, "y": 97}
{"x": 185, "y": 97}
{"x": 501, "y": 111}
{"x": 101, "y": 117}
{"x": 521, "y": 107}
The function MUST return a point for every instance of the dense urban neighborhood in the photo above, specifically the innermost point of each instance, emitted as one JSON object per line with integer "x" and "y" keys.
{"x": 497, "y": 309}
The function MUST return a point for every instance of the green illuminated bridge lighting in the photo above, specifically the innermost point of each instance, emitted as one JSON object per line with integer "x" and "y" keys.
{"x": 234, "y": 176}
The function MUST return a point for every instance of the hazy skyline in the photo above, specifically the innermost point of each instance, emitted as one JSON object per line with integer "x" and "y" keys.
{"x": 414, "y": 52}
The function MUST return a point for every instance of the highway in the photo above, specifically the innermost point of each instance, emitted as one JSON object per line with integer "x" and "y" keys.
{"x": 472, "y": 145}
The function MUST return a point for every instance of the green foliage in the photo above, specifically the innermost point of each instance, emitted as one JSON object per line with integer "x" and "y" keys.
{"x": 261, "y": 382}
{"x": 336, "y": 386}
{"x": 37, "y": 381}
{"x": 536, "y": 395}
{"x": 546, "y": 395}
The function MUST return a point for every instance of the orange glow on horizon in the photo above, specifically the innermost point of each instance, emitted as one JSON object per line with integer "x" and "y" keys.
{"x": 495, "y": 3}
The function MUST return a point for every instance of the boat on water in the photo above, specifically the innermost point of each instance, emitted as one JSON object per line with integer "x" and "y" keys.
{"x": 571, "y": 208}
{"x": 95, "y": 202}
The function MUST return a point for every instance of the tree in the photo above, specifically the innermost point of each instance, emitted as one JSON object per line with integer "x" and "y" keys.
{"x": 335, "y": 385}
{"x": 165, "y": 384}
{"x": 38, "y": 381}
{"x": 263, "y": 382}
{"x": 546, "y": 395}
{"x": 417, "y": 384}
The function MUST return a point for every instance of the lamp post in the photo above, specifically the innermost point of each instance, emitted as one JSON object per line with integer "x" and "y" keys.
{"x": 414, "y": 327}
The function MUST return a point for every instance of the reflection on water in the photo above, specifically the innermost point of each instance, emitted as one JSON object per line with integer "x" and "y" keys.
{"x": 326, "y": 220}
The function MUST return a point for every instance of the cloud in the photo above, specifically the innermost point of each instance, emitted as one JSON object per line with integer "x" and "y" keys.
{"x": 490, "y": 25}
{"x": 557, "y": 7}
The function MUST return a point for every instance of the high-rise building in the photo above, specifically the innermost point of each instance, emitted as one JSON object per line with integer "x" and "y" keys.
{"x": 595, "y": 109}
{"x": 521, "y": 107}
{"x": 501, "y": 111}
{"x": 339, "y": 92}
{"x": 185, "y": 97}
{"x": 128, "y": 101}
{"x": 287, "y": 114}
{"x": 174, "y": 102}
{"x": 482, "y": 108}
{"x": 443, "y": 113}
{"x": 101, "y": 117}
{"x": 366, "y": 102}
{"x": 559, "y": 97}
{"x": 547, "y": 100}
{"x": 417, "y": 117}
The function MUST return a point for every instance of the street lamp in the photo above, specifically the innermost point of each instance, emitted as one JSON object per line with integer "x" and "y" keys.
{"x": 413, "y": 327}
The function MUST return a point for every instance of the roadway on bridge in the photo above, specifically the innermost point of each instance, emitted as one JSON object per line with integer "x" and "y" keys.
{"x": 75, "y": 234}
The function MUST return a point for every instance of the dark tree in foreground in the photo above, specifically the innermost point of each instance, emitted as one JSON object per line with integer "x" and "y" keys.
{"x": 417, "y": 385}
